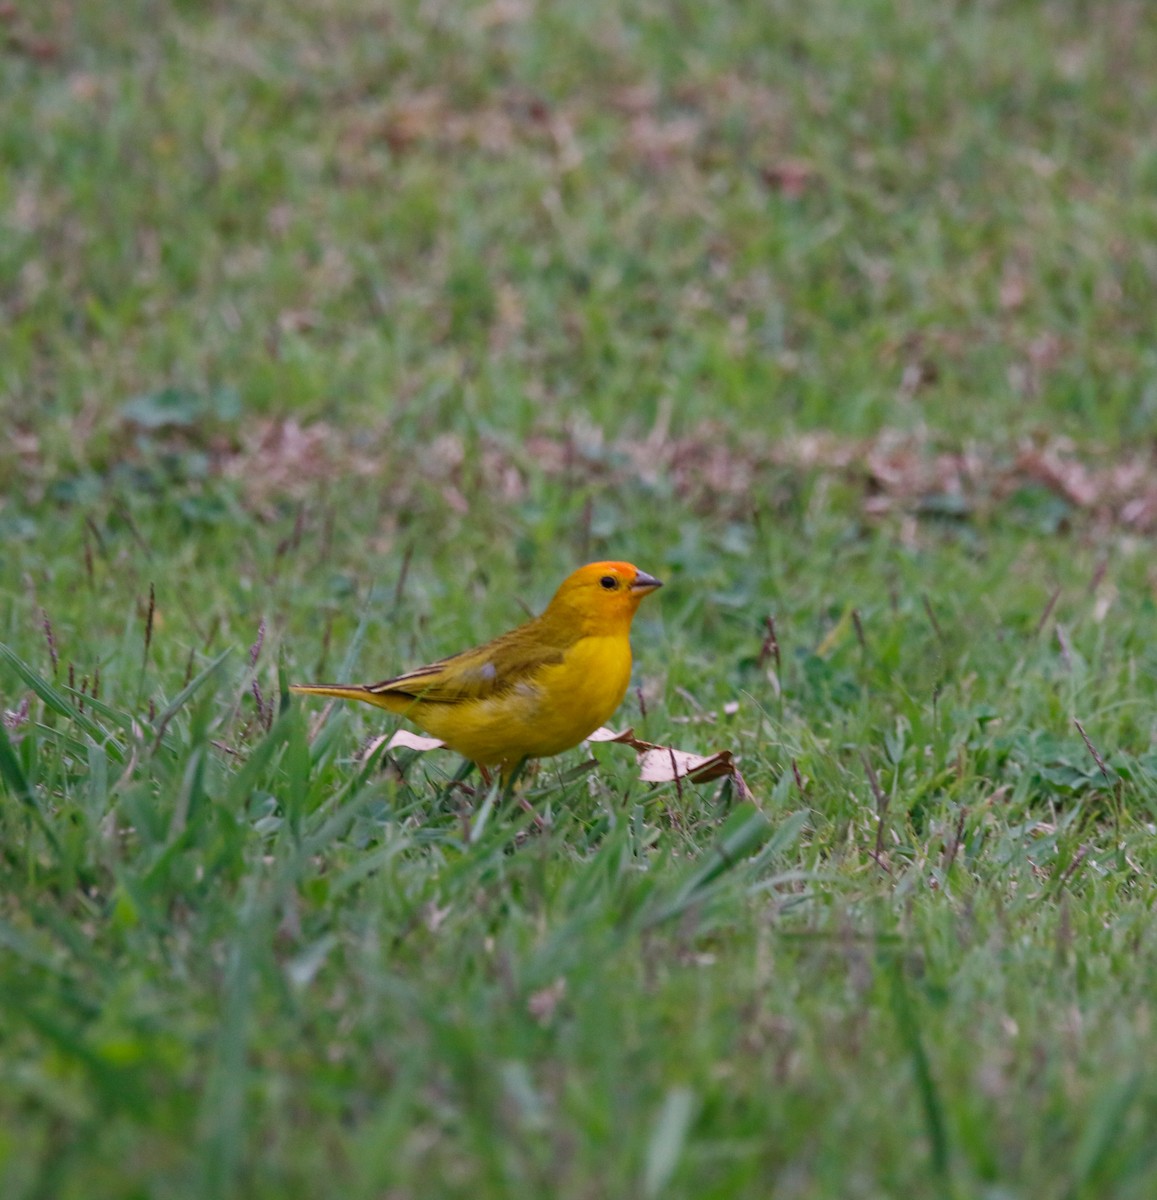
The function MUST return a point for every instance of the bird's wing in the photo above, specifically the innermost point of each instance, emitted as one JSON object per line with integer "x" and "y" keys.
{"x": 477, "y": 674}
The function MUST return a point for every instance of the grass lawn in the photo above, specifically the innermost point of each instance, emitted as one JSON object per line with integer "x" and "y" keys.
{"x": 333, "y": 334}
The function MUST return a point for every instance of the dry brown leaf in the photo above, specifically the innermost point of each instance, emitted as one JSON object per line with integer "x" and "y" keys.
{"x": 1051, "y": 466}
{"x": 633, "y": 99}
{"x": 791, "y": 177}
{"x": 39, "y": 49}
{"x": 626, "y": 738}
{"x": 1141, "y": 513}
{"x": 503, "y": 12}
{"x": 1013, "y": 291}
{"x": 603, "y": 734}
{"x": 665, "y": 764}
{"x": 415, "y": 118}
{"x": 660, "y": 142}
{"x": 284, "y": 458}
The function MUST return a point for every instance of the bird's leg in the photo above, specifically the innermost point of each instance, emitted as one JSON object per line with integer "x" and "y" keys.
{"x": 465, "y": 796}
{"x": 511, "y": 774}
{"x": 510, "y": 779}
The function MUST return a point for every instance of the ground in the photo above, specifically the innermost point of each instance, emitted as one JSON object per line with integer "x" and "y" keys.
{"x": 334, "y": 334}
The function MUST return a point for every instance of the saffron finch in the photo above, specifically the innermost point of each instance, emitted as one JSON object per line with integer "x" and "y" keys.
{"x": 530, "y": 693}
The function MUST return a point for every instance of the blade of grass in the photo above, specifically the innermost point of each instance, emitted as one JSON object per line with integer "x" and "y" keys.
{"x": 909, "y": 1028}
{"x": 1106, "y": 1122}
{"x": 13, "y": 776}
{"x": 59, "y": 704}
{"x": 185, "y": 694}
{"x": 742, "y": 834}
{"x": 667, "y": 1140}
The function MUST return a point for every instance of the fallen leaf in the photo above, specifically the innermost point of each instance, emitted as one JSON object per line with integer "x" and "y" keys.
{"x": 658, "y": 142}
{"x": 1051, "y": 466}
{"x": 503, "y": 12}
{"x": 1013, "y": 291}
{"x": 405, "y": 740}
{"x": 626, "y": 738}
{"x": 791, "y": 177}
{"x": 664, "y": 764}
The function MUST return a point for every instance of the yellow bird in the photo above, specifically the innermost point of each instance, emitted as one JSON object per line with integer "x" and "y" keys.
{"x": 530, "y": 693}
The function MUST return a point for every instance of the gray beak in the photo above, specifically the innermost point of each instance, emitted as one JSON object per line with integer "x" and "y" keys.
{"x": 645, "y": 583}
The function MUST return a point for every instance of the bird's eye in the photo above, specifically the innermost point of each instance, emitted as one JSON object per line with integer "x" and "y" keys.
{"x": 609, "y": 582}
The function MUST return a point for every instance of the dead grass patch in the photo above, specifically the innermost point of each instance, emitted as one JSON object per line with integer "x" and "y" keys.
{"x": 713, "y": 469}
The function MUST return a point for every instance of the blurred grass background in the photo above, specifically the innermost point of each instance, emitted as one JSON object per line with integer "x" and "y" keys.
{"x": 334, "y": 334}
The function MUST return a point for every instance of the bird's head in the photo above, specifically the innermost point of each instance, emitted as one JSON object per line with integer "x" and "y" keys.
{"x": 601, "y": 597}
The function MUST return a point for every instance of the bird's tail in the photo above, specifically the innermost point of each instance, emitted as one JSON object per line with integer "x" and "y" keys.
{"x": 354, "y": 691}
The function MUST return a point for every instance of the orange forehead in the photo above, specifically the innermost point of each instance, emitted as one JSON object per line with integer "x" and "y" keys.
{"x": 596, "y": 570}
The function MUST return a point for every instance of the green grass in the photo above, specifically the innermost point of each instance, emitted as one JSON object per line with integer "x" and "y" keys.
{"x": 334, "y": 334}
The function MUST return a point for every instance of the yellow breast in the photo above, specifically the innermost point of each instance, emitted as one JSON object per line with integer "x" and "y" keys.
{"x": 548, "y": 712}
